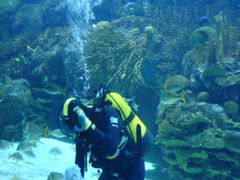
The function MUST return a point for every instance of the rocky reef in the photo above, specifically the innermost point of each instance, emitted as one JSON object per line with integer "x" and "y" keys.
{"x": 199, "y": 135}
{"x": 198, "y": 140}
{"x": 15, "y": 101}
{"x": 32, "y": 48}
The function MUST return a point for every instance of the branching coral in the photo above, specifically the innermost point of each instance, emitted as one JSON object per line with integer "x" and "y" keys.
{"x": 115, "y": 58}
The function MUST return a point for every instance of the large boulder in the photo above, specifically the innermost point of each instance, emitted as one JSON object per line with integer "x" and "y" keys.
{"x": 7, "y": 7}
{"x": 15, "y": 100}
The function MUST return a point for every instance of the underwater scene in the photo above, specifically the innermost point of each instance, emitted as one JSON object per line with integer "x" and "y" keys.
{"x": 119, "y": 89}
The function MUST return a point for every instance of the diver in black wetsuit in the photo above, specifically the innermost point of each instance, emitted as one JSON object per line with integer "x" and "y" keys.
{"x": 111, "y": 149}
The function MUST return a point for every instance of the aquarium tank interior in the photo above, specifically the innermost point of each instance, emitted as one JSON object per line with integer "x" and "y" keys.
{"x": 176, "y": 63}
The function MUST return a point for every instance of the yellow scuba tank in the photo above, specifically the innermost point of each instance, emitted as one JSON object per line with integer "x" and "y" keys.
{"x": 130, "y": 120}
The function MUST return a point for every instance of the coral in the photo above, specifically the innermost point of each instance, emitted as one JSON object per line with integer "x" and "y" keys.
{"x": 203, "y": 96}
{"x": 231, "y": 107}
{"x": 15, "y": 46}
{"x": 135, "y": 31}
{"x": 194, "y": 142}
{"x": 176, "y": 83}
{"x": 202, "y": 35}
{"x": 229, "y": 80}
{"x": 115, "y": 58}
{"x": 171, "y": 97}
{"x": 149, "y": 30}
{"x": 103, "y": 25}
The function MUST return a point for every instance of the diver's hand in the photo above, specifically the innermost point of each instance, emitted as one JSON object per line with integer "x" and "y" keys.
{"x": 82, "y": 119}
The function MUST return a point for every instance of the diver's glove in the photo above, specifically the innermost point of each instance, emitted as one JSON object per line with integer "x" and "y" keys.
{"x": 83, "y": 120}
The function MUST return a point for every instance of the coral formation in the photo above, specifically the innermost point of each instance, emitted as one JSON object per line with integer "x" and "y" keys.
{"x": 115, "y": 58}
{"x": 199, "y": 136}
{"x": 192, "y": 138}
{"x": 202, "y": 35}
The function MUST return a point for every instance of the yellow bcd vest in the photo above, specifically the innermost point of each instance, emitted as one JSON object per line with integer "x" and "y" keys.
{"x": 130, "y": 119}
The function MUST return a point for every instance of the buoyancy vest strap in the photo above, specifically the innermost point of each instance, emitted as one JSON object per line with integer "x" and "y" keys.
{"x": 128, "y": 120}
{"x": 120, "y": 109}
{"x": 139, "y": 141}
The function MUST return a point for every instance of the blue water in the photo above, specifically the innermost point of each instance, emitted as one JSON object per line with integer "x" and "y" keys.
{"x": 133, "y": 47}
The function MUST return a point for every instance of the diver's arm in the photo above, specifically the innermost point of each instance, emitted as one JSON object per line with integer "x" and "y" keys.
{"x": 107, "y": 140}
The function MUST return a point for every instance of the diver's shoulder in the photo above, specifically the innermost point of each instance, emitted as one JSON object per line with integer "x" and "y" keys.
{"x": 110, "y": 110}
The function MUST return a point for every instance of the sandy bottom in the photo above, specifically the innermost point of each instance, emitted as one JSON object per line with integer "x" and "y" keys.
{"x": 44, "y": 162}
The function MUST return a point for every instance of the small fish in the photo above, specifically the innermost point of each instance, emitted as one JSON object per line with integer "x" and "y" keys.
{"x": 25, "y": 145}
{"x": 57, "y": 133}
{"x": 16, "y": 156}
{"x": 29, "y": 153}
{"x": 55, "y": 151}
{"x": 9, "y": 128}
{"x": 43, "y": 101}
{"x": 54, "y": 89}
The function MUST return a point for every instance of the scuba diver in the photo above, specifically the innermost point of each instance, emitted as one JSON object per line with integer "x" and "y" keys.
{"x": 113, "y": 134}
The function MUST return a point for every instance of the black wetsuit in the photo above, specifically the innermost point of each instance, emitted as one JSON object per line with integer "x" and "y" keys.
{"x": 105, "y": 139}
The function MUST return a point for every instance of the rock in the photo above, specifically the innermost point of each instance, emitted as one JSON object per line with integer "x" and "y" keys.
{"x": 231, "y": 107}
{"x": 133, "y": 8}
{"x": 212, "y": 72}
{"x": 229, "y": 80}
{"x": 203, "y": 96}
{"x": 27, "y": 19}
{"x": 232, "y": 140}
{"x": 5, "y": 144}
{"x": 7, "y": 7}
{"x": 16, "y": 96}
{"x": 55, "y": 176}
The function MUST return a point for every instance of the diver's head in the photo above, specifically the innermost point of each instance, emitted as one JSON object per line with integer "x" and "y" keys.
{"x": 69, "y": 116}
{"x": 100, "y": 94}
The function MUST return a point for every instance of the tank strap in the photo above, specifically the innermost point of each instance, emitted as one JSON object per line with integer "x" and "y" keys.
{"x": 129, "y": 119}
